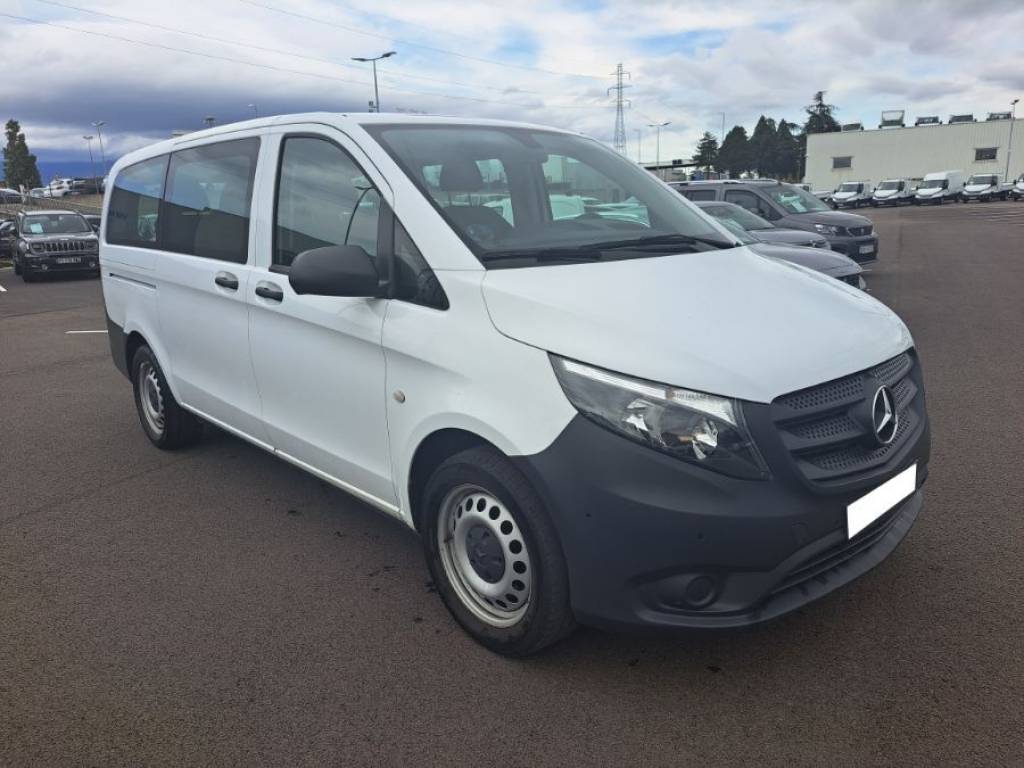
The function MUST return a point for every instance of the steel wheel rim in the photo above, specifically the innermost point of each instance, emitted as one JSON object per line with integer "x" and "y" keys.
{"x": 151, "y": 399}
{"x": 475, "y": 531}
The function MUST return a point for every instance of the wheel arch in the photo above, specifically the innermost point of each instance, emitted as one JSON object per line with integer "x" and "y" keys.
{"x": 430, "y": 454}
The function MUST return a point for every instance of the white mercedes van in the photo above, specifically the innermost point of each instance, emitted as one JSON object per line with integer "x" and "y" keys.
{"x": 893, "y": 192}
{"x": 620, "y": 417}
{"x": 939, "y": 186}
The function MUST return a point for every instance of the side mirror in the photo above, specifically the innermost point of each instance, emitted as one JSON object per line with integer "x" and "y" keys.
{"x": 336, "y": 270}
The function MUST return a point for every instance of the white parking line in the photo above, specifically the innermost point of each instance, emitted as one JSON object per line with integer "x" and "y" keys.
{"x": 2, "y": 289}
{"x": 66, "y": 332}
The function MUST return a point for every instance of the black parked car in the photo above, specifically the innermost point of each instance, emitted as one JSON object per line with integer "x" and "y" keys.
{"x": 789, "y": 206}
{"x": 762, "y": 229}
{"x": 51, "y": 242}
{"x": 823, "y": 260}
{"x": 8, "y": 236}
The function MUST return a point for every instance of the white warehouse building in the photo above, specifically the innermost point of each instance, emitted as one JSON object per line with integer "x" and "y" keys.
{"x": 888, "y": 153}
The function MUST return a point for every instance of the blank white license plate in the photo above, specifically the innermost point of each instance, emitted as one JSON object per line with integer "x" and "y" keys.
{"x": 867, "y": 249}
{"x": 865, "y": 510}
{"x": 68, "y": 259}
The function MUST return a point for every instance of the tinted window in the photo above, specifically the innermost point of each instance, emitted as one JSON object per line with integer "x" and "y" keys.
{"x": 133, "y": 217}
{"x": 985, "y": 153}
{"x": 699, "y": 194}
{"x": 842, "y": 162}
{"x": 749, "y": 201}
{"x": 414, "y": 281}
{"x": 207, "y": 201}
{"x": 323, "y": 199}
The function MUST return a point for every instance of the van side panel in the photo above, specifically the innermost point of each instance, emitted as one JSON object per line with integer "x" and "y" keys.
{"x": 476, "y": 380}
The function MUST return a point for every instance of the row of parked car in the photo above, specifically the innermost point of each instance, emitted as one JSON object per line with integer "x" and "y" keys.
{"x": 69, "y": 187}
{"x": 935, "y": 188}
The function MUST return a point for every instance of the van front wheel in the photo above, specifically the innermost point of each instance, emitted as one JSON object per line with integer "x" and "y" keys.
{"x": 494, "y": 554}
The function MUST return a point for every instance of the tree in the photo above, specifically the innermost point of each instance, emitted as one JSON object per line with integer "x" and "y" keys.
{"x": 763, "y": 154}
{"x": 707, "y": 151}
{"x": 819, "y": 120}
{"x": 787, "y": 151}
{"x": 734, "y": 154}
{"x": 819, "y": 116}
{"x": 19, "y": 164}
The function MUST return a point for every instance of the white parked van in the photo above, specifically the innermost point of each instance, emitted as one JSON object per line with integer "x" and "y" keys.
{"x": 629, "y": 420}
{"x": 852, "y": 194}
{"x": 1017, "y": 190}
{"x": 893, "y": 192}
{"x": 940, "y": 186}
{"x": 984, "y": 187}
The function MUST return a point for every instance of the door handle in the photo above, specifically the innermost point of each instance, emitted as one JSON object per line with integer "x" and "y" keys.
{"x": 269, "y": 291}
{"x": 226, "y": 280}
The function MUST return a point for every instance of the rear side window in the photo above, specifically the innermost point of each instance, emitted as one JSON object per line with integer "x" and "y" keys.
{"x": 699, "y": 194}
{"x": 207, "y": 200}
{"x": 134, "y": 214}
{"x": 323, "y": 199}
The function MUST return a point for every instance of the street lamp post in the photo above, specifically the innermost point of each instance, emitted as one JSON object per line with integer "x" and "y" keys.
{"x": 92, "y": 163}
{"x": 373, "y": 60}
{"x": 255, "y": 110}
{"x": 639, "y": 144}
{"x": 657, "y": 145}
{"x": 98, "y": 125}
{"x": 1009, "y": 143}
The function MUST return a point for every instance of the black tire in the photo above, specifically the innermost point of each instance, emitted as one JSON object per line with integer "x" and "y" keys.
{"x": 17, "y": 267}
{"x": 548, "y": 614}
{"x": 180, "y": 428}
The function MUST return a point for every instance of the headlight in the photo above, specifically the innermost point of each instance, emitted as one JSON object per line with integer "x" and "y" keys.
{"x": 91, "y": 245}
{"x": 37, "y": 247}
{"x": 697, "y": 428}
{"x": 828, "y": 229}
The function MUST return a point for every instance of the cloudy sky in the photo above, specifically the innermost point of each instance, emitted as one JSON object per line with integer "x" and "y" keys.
{"x": 147, "y": 71}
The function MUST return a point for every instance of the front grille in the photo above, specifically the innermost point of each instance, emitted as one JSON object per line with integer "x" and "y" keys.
{"x": 840, "y": 553}
{"x": 860, "y": 231}
{"x": 828, "y": 430}
{"x": 61, "y": 246}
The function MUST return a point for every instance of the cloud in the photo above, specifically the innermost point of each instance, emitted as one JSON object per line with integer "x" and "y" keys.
{"x": 690, "y": 62}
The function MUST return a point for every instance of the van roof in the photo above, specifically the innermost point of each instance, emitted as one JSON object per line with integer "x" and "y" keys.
{"x": 336, "y": 119}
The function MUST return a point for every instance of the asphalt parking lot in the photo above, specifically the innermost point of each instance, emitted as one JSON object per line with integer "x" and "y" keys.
{"x": 218, "y": 606}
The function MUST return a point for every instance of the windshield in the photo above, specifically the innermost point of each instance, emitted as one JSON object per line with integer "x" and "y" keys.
{"x": 746, "y": 220}
{"x": 736, "y": 229}
{"x": 935, "y": 184}
{"x": 54, "y": 224}
{"x": 521, "y": 196}
{"x": 891, "y": 185}
{"x": 851, "y": 186}
{"x": 795, "y": 200}
{"x": 982, "y": 178}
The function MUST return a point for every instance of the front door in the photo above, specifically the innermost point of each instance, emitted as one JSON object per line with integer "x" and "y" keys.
{"x": 318, "y": 359}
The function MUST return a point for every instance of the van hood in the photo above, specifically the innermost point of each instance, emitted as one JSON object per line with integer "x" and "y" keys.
{"x": 730, "y": 322}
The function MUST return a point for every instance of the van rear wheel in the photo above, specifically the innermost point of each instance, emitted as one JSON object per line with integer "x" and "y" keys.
{"x": 165, "y": 422}
{"x": 494, "y": 554}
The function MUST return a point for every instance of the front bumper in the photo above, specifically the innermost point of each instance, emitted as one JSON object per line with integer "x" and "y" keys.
{"x": 651, "y": 541}
{"x": 862, "y": 249}
{"x": 988, "y": 195}
{"x": 47, "y": 264}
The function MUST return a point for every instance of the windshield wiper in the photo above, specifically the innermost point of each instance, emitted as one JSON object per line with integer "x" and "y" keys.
{"x": 593, "y": 251}
{"x": 659, "y": 240}
{"x": 567, "y": 253}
